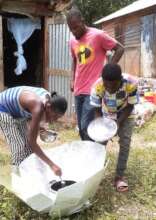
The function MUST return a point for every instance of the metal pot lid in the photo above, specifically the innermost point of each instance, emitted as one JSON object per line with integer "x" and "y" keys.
{"x": 102, "y": 129}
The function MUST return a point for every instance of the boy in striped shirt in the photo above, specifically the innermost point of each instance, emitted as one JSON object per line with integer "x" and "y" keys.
{"x": 114, "y": 95}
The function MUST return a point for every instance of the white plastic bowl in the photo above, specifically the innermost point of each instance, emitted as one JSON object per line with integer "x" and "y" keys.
{"x": 102, "y": 129}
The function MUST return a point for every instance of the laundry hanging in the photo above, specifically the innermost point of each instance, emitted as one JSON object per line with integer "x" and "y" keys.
{"x": 22, "y": 29}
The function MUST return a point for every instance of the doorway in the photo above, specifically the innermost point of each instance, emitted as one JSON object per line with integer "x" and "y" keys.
{"x": 33, "y": 53}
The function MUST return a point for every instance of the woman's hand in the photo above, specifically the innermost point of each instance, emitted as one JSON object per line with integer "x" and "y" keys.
{"x": 56, "y": 169}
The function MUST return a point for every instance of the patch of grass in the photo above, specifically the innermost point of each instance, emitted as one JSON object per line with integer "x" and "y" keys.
{"x": 12, "y": 208}
{"x": 147, "y": 131}
{"x": 137, "y": 204}
{"x": 4, "y": 159}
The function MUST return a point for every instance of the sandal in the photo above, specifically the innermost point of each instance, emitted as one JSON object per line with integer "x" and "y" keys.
{"x": 120, "y": 184}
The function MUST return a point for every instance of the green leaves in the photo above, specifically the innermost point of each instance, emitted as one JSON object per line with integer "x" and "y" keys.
{"x": 93, "y": 10}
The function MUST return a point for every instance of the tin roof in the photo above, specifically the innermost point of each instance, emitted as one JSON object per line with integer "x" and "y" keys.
{"x": 134, "y": 7}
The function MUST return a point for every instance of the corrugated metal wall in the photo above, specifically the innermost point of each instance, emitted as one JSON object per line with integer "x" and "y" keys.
{"x": 59, "y": 55}
{"x": 148, "y": 46}
{"x": 60, "y": 63}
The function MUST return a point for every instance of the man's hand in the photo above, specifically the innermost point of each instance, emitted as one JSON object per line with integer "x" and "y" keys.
{"x": 118, "y": 52}
{"x": 72, "y": 85}
{"x": 56, "y": 169}
{"x": 72, "y": 79}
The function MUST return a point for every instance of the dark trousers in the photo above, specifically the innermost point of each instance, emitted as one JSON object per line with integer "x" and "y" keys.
{"x": 125, "y": 134}
{"x": 85, "y": 114}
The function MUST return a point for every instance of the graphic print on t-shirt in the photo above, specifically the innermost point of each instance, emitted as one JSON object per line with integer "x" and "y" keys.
{"x": 85, "y": 54}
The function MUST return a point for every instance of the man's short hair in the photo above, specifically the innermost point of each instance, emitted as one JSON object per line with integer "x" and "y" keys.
{"x": 112, "y": 72}
{"x": 74, "y": 12}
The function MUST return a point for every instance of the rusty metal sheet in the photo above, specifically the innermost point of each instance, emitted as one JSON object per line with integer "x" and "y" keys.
{"x": 147, "y": 42}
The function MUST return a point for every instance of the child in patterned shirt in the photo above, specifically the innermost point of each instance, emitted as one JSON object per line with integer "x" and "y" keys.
{"x": 114, "y": 95}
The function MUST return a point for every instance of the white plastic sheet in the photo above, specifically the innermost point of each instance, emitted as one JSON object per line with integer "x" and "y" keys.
{"x": 22, "y": 29}
{"x": 81, "y": 161}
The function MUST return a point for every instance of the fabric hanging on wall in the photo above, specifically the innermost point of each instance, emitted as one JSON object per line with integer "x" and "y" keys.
{"x": 22, "y": 29}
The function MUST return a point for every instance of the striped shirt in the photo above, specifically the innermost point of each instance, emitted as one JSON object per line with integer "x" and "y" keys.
{"x": 113, "y": 104}
{"x": 9, "y": 100}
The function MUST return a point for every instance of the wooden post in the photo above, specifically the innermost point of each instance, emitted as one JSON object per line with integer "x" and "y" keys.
{"x": 1, "y": 57}
{"x": 45, "y": 54}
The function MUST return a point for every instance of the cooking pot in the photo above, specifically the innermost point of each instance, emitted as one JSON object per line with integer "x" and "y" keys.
{"x": 57, "y": 185}
{"x": 102, "y": 129}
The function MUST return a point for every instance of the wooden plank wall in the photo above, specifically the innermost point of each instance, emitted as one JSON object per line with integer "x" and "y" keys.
{"x": 110, "y": 29}
{"x": 127, "y": 31}
{"x": 132, "y": 44}
{"x": 114, "y": 32}
{"x": 1, "y": 57}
